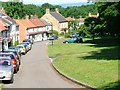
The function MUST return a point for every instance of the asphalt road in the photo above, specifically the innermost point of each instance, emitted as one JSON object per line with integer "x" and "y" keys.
{"x": 36, "y": 71}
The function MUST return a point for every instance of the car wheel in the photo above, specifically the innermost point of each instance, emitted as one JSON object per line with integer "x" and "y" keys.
{"x": 15, "y": 71}
{"x": 12, "y": 79}
{"x": 18, "y": 69}
{"x": 66, "y": 42}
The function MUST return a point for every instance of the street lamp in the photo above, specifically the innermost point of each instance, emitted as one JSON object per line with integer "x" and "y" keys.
{"x": 52, "y": 33}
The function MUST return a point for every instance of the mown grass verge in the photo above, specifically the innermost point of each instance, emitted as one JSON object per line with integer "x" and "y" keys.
{"x": 94, "y": 64}
{"x": 1, "y": 86}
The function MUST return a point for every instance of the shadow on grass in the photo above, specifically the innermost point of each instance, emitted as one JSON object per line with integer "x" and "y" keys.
{"x": 104, "y": 42}
{"x": 105, "y": 54}
{"x": 112, "y": 53}
{"x": 112, "y": 86}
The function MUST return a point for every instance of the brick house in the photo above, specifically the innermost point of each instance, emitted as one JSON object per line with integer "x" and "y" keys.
{"x": 58, "y": 22}
{"x": 24, "y": 26}
{"x": 32, "y": 28}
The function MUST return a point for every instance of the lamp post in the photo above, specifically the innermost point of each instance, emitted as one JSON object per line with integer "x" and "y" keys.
{"x": 52, "y": 33}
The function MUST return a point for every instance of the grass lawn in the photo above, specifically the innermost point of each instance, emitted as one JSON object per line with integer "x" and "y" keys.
{"x": 1, "y": 86}
{"x": 94, "y": 64}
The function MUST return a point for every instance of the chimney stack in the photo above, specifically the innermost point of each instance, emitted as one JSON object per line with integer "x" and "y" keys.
{"x": 90, "y": 15}
{"x": 97, "y": 14}
{"x": 26, "y": 17}
{"x": 35, "y": 16}
{"x": 2, "y": 10}
{"x": 47, "y": 11}
{"x": 57, "y": 10}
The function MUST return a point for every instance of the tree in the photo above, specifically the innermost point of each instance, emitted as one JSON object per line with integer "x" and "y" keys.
{"x": 72, "y": 26}
{"x": 92, "y": 23}
{"x": 110, "y": 16}
{"x": 14, "y": 9}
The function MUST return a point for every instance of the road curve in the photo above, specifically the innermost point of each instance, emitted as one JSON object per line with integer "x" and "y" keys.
{"x": 36, "y": 71}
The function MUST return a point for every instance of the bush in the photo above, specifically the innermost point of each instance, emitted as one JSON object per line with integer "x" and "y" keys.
{"x": 62, "y": 34}
{"x": 16, "y": 43}
{"x": 55, "y": 32}
{"x": 67, "y": 35}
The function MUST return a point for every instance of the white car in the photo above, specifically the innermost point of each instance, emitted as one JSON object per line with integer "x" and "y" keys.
{"x": 22, "y": 49}
{"x": 28, "y": 44}
{"x": 6, "y": 69}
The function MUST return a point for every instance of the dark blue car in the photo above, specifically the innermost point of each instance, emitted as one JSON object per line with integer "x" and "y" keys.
{"x": 73, "y": 35}
{"x": 53, "y": 37}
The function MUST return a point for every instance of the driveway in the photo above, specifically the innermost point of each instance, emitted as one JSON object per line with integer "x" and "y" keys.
{"x": 36, "y": 71}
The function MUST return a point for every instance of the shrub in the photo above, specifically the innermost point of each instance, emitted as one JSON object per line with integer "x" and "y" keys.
{"x": 55, "y": 32}
{"x": 16, "y": 43}
{"x": 62, "y": 34}
{"x": 67, "y": 35}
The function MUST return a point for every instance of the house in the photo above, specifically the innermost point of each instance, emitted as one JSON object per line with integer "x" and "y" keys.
{"x": 7, "y": 30}
{"x": 3, "y": 34}
{"x": 58, "y": 22}
{"x": 70, "y": 19}
{"x": 80, "y": 21}
{"x": 40, "y": 32}
{"x": 75, "y": 22}
{"x": 11, "y": 25}
{"x": 32, "y": 28}
{"x": 94, "y": 15}
{"x": 48, "y": 27}
{"x": 25, "y": 26}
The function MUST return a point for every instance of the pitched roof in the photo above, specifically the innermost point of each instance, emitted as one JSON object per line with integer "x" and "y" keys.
{"x": 26, "y": 22}
{"x": 3, "y": 23}
{"x": 2, "y": 28}
{"x": 6, "y": 19}
{"x": 81, "y": 19}
{"x": 37, "y": 22}
{"x": 58, "y": 16}
{"x": 70, "y": 19}
{"x": 45, "y": 23}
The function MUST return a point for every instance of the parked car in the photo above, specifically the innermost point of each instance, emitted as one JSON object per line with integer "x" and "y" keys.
{"x": 14, "y": 47}
{"x": 53, "y": 37}
{"x": 15, "y": 53}
{"x": 15, "y": 61}
{"x": 73, "y": 35}
{"x": 26, "y": 47}
{"x": 28, "y": 43}
{"x": 6, "y": 69}
{"x": 74, "y": 40}
{"x": 22, "y": 49}
{"x": 28, "y": 40}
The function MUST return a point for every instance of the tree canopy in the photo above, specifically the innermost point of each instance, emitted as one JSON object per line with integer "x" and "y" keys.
{"x": 107, "y": 24}
{"x": 19, "y": 10}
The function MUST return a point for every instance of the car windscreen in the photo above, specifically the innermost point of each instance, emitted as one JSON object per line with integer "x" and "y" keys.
{"x": 19, "y": 47}
{"x": 11, "y": 47}
{"x": 5, "y": 62}
{"x": 25, "y": 45}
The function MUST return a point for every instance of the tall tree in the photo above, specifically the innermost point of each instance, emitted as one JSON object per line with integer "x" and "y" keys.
{"x": 14, "y": 9}
{"x": 110, "y": 15}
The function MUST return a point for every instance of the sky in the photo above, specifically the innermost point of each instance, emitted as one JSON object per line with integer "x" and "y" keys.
{"x": 54, "y": 2}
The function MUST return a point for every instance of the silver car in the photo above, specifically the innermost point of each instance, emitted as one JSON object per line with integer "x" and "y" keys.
{"x": 6, "y": 69}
